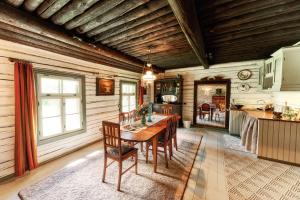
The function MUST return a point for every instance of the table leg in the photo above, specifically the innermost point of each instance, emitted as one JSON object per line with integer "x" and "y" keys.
{"x": 154, "y": 150}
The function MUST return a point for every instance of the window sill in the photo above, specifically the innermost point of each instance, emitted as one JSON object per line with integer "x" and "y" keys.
{"x": 60, "y": 137}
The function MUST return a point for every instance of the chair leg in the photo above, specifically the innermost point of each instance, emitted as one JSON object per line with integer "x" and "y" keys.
{"x": 136, "y": 162}
{"x": 147, "y": 152}
{"x": 142, "y": 147}
{"x": 120, "y": 175}
{"x": 166, "y": 155}
{"x": 104, "y": 168}
{"x": 170, "y": 149}
{"x": 175, "y": 141}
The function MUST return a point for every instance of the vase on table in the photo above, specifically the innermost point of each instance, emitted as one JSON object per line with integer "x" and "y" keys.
{"x": 143, "y": 120}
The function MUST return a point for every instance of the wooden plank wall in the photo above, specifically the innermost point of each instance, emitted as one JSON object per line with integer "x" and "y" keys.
{"x": 98, "y": 108}
{"x": 228, "y": 70}
{"x": 279, "y": 140}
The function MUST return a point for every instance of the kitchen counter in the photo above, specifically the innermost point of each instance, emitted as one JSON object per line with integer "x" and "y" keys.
{"x": 269, "y": 138}
{"x": 265, "y": 115}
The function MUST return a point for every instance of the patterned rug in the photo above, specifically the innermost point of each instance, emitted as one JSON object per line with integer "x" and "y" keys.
{"x": 249, "y": 178}
{"x": 233, "y": 142}
{"x": 82, "y": 178}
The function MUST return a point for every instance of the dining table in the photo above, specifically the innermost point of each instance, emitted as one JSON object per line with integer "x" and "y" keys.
{"x": 137, "y": 133}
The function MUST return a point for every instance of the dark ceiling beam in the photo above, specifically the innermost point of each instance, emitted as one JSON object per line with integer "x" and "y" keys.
{"x": 171, "y": 52}
{"x": 214, "y": 4}
{"x": 174, "y": 38}
{"x": 48, "y": 44}
{"x": 163, "y": 49}
{"x": 31, "y": 5}
{"x": 146, "y": 33}
{"x": 135, "y": 30}
{"x": 101, "y": 35}
{"x": 255, "y": 32}
{"x": 253, "y": 17}
{"x": 17, "y": 18}
{"x": 165, "y": 32}
{"x": 251, "y": 6}
{"x": 185, "y": 12}
{"x": 261, "y": 23}
{"x": 163, "y": 46}
{"x": 48, "y": 8}
{"x": 97, "y": 10}
{"x": 72, "y": 10}
{"x": 117, "y": 11}
{"x": 15, "y": 2}
{"x": 256, "y": 39}
{"x": 138, "y": 12}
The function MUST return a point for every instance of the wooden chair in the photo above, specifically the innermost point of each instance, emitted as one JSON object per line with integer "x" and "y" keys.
{"x": 124, "y": 117}
{"x": 164, "y": 141}
{"x": 132, "y": 115}
{"x": 167, "y": 109}
{"x": 115, "y": 150}
{"x": 204, "y": 110}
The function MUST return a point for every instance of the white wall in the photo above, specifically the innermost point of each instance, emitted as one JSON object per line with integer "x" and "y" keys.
{"x": 98, "y": 108}
{"x": 228, "y": 70}
{"x": 292, "y": 99}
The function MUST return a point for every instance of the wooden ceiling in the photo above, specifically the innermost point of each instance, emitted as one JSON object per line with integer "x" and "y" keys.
{"x": 128, "y": 26}
{"x": 221, "y": 30}
{"x": 238, "y": 30}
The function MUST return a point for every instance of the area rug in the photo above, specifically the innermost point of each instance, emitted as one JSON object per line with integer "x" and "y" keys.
{"x": 82, "y": 179}
{"x": 250, "y": 178}
{"x": 233, "y": 142}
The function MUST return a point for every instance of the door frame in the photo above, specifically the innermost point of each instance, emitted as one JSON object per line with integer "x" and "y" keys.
{"x": 212, "y": 80}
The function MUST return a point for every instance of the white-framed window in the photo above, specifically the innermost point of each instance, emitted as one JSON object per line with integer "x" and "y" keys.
{"x": 128, "y": 96}
{"x": 61, "y": 110}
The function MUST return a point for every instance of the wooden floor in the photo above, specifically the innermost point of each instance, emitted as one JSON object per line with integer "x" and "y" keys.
{"x": 207, "y": 179}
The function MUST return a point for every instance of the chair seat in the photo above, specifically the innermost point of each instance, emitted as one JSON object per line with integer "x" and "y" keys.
{"x": 124, "y": 150}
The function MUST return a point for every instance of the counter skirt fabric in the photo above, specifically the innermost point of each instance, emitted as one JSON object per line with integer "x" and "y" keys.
{"x": 249, "y": 134}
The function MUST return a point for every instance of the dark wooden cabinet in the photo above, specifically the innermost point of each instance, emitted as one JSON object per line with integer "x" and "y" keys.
{"x": 171, "y": 87}
{"x": 168, "y": 86}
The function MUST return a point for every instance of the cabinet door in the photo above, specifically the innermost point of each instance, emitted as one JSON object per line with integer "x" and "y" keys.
{"x": 291, "y": 71}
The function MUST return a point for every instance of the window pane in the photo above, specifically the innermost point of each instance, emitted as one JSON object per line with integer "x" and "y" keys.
{"x": 73, "y": 122}
{"x": 51, "y": 126}
{"x": 72, "y": 105}
{"x": 70, "y": 86}
{"x": 132, "y": 102}
{"x": 125, "y": 109}
{"x": 51, "y": 107}
{"x": 50, "y": 85}
{"x": 125, "y": 100}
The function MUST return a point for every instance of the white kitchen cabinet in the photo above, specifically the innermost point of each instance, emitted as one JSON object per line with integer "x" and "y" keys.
{"x": 286, "y": 69}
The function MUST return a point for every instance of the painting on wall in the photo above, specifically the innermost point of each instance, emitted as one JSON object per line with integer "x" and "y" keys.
{"x": 105, "y": 86}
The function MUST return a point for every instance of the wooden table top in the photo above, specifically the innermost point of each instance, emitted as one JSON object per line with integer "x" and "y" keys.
{"x": 147, "y": 133}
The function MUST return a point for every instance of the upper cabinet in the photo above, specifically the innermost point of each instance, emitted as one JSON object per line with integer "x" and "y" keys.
{"x": 282, "y": 71}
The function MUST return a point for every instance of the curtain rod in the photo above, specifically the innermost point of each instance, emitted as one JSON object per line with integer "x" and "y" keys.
{"x": 69, "y": 68}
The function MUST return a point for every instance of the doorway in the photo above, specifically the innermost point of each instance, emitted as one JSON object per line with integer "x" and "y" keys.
{"x": 211, "y": 102}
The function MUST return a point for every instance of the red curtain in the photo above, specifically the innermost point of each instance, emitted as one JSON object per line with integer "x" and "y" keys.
{"x": 25, "y": 119}
{"x": 141, "y": 94}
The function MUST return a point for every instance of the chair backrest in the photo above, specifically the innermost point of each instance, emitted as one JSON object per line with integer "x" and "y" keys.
{"x": 205, "y": 107}
{"x": 132, "y": 115}
{"x": 111, "y": 135}
{"x": 174, "y": 125}
{"x": 123, "y": 117}
{"x": 167, "y": 109}
{"x": 168, "y": 133}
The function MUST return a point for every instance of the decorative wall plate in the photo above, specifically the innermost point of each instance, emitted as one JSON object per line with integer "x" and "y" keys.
{"x": 244, "y": 74}
{"x": 243, "y": 87}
